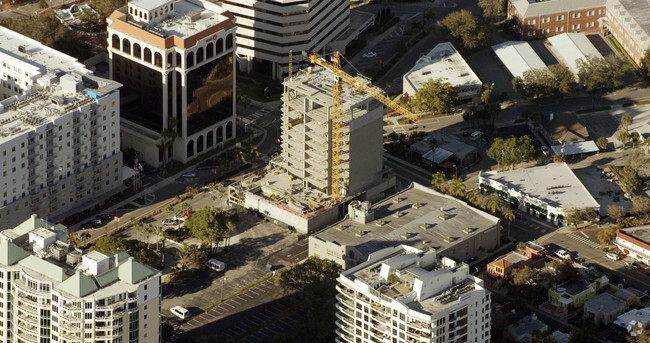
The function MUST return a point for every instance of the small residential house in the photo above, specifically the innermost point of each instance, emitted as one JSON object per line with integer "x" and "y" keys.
{"x": 634, "y": 321}
{"x": 502, "y": 266}
{"x": 525, "y": 329}
{"x": 576, "y": 292}
{"x": 534, "y": 251}
{"x": 562, "y": 128}
{"x": 604, "y": 308}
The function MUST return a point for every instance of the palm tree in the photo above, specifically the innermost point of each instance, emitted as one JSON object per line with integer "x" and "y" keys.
{"x": 457, "y": 187}
{"x": 138, "y": 227}
{"x": 147, "y": 231}
{"x": 72, "y": 238}
{"x": 509, "y": 215}
{"x": 167, "y": 135}
{"x": 494, "y": 203}
{"x": 472, "y": 196}
{"x": 438, "y": 180}
{"x": 84, "y": 236}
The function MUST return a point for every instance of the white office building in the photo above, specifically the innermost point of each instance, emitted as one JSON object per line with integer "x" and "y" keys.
{"x": 403, "y": 294}
{"x": 53, "y": 293}
{"x": 59, "y": 132}
{"x": 268, "y": 30}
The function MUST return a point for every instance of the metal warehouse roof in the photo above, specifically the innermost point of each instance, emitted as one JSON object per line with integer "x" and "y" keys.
{"x": 518, "y": 57}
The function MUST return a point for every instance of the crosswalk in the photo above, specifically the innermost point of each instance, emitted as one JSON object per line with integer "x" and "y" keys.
{"x": 261, "y": 112}
{"x": 584, "y": 240}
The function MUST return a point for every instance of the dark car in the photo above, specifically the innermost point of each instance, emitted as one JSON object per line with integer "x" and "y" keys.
{"x": 88, "y": 225}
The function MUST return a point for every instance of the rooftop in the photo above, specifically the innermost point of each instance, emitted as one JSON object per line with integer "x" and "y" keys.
{"x": 518, "y": 57}
{"x": 575, "y": 148}
{"x": 573, "y": 47}
{"x": 639, "y": 11}
{"x": 316, "y": 83}
{"x": 554, "y": 183}
{"x": 629, "y": 320}
{"x": 533, "y": 8}
{"x": 572, "y": 288}
{"x": 604, "y": 302}
{"x": 639, "y": 233}
{"x": 509, "y": 259}
{"x": 442, "y": 62}
{"x": 417, "y": 216}
{"x": 526, "y": 326}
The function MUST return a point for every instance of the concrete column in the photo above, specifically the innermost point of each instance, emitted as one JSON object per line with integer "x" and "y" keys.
{"x": 165, "y": 99}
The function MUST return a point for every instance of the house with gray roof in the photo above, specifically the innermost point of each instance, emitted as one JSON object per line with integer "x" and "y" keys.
{"x": 604, "y": 308}
{"x": 526, "y": 328}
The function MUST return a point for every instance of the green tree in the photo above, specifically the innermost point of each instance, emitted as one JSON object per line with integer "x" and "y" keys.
{"x": 577, "y": 216}
{"x": 623, "y": 137}
{"x": 645, "y": 64}
{"x": 468, "y": 29}
{"x": 106, "y": 7}
{"x": 89, "y": 19}
{"x": 602, "y": 143}
{"x": 523, "y": 276}
{"x": 209, "y": 225}
{"x": 559, "y": 158}
{"x": 486, "y": 95}
{"x": 521, "y": 246}
{"x": 434, "y": 95}
{"x": 615, "y": 212}
{"x": 167, "y": 137}
{"x": 606, "y": 235}
{"x": 43, "y": 4}
{"x": 72, "y": 238}
{"x": 473, "y": 196}
{"x": 626, "y": 120}
{"x": 494, "y": 203}
{"x": 309, "y": 275}
{"x": 109, "y": 245}
{"x": 493, "y": 10}
{"x": 169, "y": 210}
{"x": 438, "y": 180}
{"x": 84, "y": 236}
{"x": 598, "y": 73}
{"x": 45, "y": 29}
{"x": 511, "y": 151}
{"x": 641, "y": 205}
{"x": 565, "y": 80}
{"x": 192, "y": 257}
{"x": 543, "y": 82}
{"x": 510, "y": 216}
{"x": 457, "y": 187}
{"x": 565, "y": 271}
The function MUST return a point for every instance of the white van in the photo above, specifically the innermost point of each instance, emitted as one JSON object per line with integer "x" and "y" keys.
{"x": 475, "y": 135}
{"x": 180, "y": 312}
{"x": 216, "y": 265}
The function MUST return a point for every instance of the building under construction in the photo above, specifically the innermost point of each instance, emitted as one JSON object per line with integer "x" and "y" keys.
{"x": 295, "y": 189}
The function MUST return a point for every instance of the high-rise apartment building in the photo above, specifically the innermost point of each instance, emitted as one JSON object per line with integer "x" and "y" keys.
{"x": 59, "y": 132}
{"x": 403, "y": 294}
{"x": 175, "y": 59}
{"x": 52, "y": 293}
{"x": 268, "y": 30}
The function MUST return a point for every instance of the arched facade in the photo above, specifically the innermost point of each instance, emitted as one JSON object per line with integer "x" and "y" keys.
{"x": 190, "y": 59}
{"x": 229, "y": 130}
{"x": 157, "y": 59}
{"x": 137, "y": 51}
{"x": 190, "y": 148}
{"x": 147, "y": 55}
{"x": 115, "y": 42}
{"x": 126, "y": 46}
{"x": 229, "y": 41}
{"x": 199, "y": 144}
{"x": 209, "y": 141}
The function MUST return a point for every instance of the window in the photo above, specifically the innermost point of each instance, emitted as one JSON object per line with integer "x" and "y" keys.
{"x": 576, "y": 15}
{"x": 546, "y": 20}
{"x": 559, "y": 29}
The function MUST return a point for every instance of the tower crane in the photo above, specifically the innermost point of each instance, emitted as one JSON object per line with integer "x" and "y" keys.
{"x": 337, "y": 113}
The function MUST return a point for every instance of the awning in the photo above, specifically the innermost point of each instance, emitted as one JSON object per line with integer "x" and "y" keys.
{"x": 127, "y": 173}
{"x": 512, "y": 200}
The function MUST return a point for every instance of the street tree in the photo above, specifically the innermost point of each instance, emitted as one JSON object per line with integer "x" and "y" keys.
{"x": 626, "y": 120}
{"x": 576, "y": 216}
{"x": 457, "y": 187}
{"x": 641, "y": 205}
{"x": 467, "y": 28}
{"x": 511, "y": 151}
{"x": 106, "y": 7}
{"x": 72, "y": 238}
{"x": 84, "y": 236}
{"x": 559, "y": 158}
{"x": 167, "y": 137}
{"x": 433, "y": 144}
{"x": 494, "y": 203}
{"x": 510, "y": 216}
{"x": 192, "y": 257}
{"x": 623, "y": 137}
{"x": 602, "y": 143}
{"x": 434, "y": 95}
{"x": 565, "y": 80}
{"x": 544, "y": 82}
{"x": 486, "y": 94}
{"x": 645, "y": 65}
{"x": 607, "y": 235}
{"x": 523, "y": 276}
{"x": 615, "y": 212}
{"x": 169, "y": 210}
{"x": 597, "y": 73}
{"x": 438, "y": 180}
{"x": 493, "y": 10}
{"x": 209, "y": 225}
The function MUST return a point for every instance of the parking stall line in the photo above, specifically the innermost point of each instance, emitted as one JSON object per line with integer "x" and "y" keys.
{"x": 246, "y": 295}
{"x": 252, "y": 291}
{"x": 234, "y": 301}
{"x": 226, "y": 304}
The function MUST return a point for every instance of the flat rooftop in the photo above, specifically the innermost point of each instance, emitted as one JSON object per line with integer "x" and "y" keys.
{"x": 419, "y": 223}
{"x": 518, "y": 57}
{"x": 442, "y": 62}
{"x": 639, "y": 10}
{"x": 641, "y": 233}
{"x": 604, "y": 301}
{"x": 317, "y": 85}
{"x": 530, "y": 8}
{"x": 554, "y": 183}
{"x": 573, "y": 47}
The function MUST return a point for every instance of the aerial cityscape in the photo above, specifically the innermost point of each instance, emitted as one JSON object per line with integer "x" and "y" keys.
{"x": 349, "y": 171}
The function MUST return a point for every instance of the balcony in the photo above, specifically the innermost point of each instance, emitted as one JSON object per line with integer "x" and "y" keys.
{"x": 26, "y": 336}
{"x": 114, "y": 306}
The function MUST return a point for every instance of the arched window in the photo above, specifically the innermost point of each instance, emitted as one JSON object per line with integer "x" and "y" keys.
{"x": 116, "y": 42}
{"x": 219, "y": 45}
{"x": 137, "y": 51}
{"x": 220, "y": 134}
{"x": 199, "y": 144}
{"x": 166, "y": 9}
{"x": 171, "y": 7}
{"x": 190, "y": 60}
{"x": 190, "y": 148}
{"x": 209, "y": 140}
{"x": 145, "y": 16}
{"x": 130, "y": 10}
{"x": 126, "y": 46}
{"x": 157, "y": 59}
{"x": 147, "y": 55}
{"x": 209, "y": 50}
{"x": 229, "y": 41}
{"x": 169, "y": 60}
{"x": 179, "y": 59}
{"x": 229, "y": 130}
{"x": 200, "y": 55}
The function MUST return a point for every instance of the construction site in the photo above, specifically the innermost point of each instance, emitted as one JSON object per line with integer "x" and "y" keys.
{"x": 332, "y": 151}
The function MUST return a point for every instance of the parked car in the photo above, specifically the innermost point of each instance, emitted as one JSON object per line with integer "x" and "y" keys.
{"x": 370, "y": 54}
{"x": 170, "y": 222}
{"x": 545, "y": 150}
{"x": 563, "y": 254}
{"x": 475, "y": 136}
{"x": 180, "y": 312}
{"x": 189, "y": 175}
{"x": 632, "y": 265}
{"x": 611, "y": 256}
{"x": 88, "y": 225}
{"x": 215, "y": 265}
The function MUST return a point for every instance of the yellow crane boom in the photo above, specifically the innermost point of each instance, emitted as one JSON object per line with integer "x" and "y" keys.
{"x": 352, "y": 81}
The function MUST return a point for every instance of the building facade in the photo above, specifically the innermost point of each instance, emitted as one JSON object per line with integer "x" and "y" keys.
{"x": 268, "y": 30}
{"x": 176, "y": 61}
{"x": 634, "y": 242}
{"x": 403, "y": 294}
{"x": 53, "y": 293}
{"x": 59, "y": 133}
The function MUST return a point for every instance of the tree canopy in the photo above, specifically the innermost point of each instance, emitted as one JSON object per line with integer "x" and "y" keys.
{"x": 106, "y": 7}
{"x": 511, "y": 151}
{"x": 493, "y": 10}
{"x": 544, "y": 82}
{"x": 209, "y": 225}
{"x": 598, "y": 73}
{"x": 434, "y": 95}
{"x": 137, "y": 249}
{"x": 467, "y": 28}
